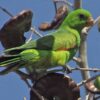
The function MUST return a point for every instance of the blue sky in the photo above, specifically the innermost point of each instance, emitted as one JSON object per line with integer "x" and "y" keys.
{"x": 11, "y": 86}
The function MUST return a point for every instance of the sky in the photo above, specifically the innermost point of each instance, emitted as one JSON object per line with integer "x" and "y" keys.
{"x": 11, "y": 86}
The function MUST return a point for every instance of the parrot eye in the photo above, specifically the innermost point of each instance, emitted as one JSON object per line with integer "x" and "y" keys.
{"x": 81, "y": 16}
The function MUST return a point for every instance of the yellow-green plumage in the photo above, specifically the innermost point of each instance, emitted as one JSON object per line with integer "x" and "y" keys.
{"x": 41, "y": 57}
{"x": 54, "y": 49}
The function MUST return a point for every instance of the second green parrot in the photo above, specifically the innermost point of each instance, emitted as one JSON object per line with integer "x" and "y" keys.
{"x": 54, "y": 49}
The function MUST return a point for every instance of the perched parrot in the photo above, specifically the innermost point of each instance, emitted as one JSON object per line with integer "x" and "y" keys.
{"x": 54, "y": 49}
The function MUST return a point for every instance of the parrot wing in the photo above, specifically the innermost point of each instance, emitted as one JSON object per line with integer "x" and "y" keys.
{"x": 59, "y": 40}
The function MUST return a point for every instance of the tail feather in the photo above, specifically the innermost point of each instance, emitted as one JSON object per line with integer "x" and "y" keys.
{"x": 9, "y": 59}
{"x": 14, "y": 50}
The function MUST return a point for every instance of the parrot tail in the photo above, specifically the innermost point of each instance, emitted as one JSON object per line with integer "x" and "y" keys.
{"x": 14, "y": 50}
{"x": 9, "y": 59}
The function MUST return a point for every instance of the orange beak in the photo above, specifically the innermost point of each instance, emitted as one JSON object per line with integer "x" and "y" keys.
{"x": 90, "y": 21}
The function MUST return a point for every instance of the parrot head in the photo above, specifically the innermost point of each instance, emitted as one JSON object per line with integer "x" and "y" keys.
{"x": 78, "y": 19}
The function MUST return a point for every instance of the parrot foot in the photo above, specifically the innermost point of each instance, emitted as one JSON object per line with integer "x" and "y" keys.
{"x": 67, "y": 69}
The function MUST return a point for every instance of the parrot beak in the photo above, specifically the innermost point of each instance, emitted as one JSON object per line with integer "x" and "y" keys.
{"x": 90, "y": 21}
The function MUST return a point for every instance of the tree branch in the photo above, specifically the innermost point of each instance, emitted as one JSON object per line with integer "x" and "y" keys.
{"x": 64, "y": 1}
{"x": 83, "y": 50}
{"x": 77, "y": 4}
{"x": 87, "y": 69}
{"x": 88, "y": 80}
{"x": 84, "y": 61}
{"x": 34, "y": 31}
{"x": 40, "y": 97}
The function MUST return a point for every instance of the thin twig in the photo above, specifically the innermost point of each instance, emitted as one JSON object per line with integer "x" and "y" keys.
{"x": 34, "y": 91}
{"x": 55, "y": 6}
{"x": 87, "y": 69}
{"x": 77, "y": 4}
{"x": 88, "y": 80}
{"x": 77, "y": 68}
{"x": 36, "y": 32}
{"x": 24, "y": 77}
{"x": 74, "y": 69}
{"x": 6, "y": 11}
{"x": 33, "y": 30}
{"x": 97, "y": 19}
{"x": 77, "y": 60}
{"x": 64, "y": 1}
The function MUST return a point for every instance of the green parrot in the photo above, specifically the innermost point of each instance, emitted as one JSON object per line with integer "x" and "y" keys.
{"x": 54, "y": 49}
